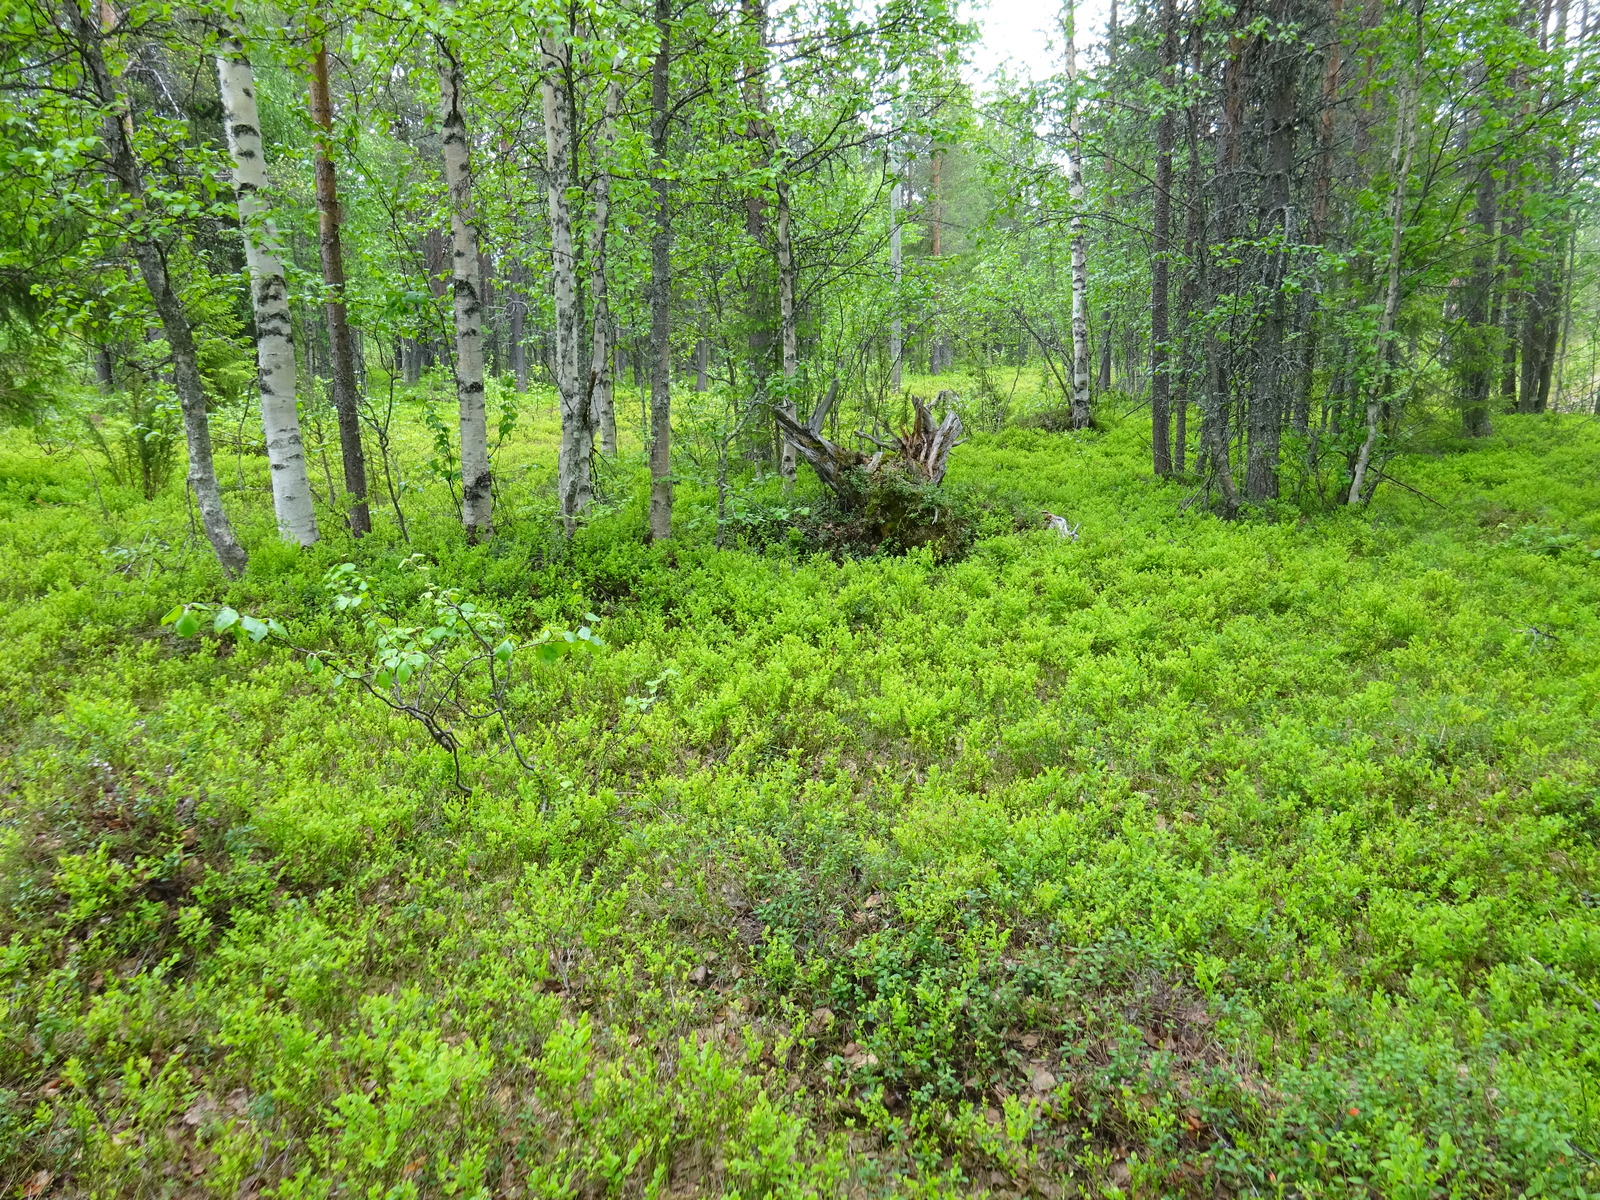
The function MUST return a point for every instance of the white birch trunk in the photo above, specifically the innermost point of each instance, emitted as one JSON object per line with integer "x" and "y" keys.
{"x": 1080, "y": 264}
{"x": 269, "y": 298}
{"x": 786, "y": 322}
{"x": 603, "y": 406}
{"x": 467, "y": 289}
{"x": 896, "y": 339}
{"x": 573, "y": 485}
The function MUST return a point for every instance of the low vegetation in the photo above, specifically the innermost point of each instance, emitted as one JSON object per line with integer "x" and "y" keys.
{"x": 1189, "y": 857}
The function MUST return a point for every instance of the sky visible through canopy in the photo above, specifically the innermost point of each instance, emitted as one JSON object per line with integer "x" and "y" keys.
{"x": 1024, "y": 36}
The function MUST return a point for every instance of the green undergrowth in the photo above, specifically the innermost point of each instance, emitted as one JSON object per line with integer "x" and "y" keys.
{"x": 1188, "y": 858}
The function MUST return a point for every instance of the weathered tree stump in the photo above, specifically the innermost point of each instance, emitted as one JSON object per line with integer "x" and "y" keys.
{"x": 921, "y": 453}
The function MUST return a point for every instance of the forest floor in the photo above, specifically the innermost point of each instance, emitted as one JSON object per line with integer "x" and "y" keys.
{"x": 1189, "y": 858}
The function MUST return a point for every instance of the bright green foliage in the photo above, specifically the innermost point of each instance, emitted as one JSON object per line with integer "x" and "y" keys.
{"x": 1257, "y": 857}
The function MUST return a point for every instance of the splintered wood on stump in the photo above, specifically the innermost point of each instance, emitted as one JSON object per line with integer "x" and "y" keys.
{"x": 922, "y": 452}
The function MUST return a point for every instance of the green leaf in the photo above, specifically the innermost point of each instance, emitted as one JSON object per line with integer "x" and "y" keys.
{"x": 187, "y": 625}
{"x": 549, "y": 652}
{"x": 173, "y": 615}
{"x": 254, "y": 628}
{"x": 314, "y": 665}
{"x": 382, "y": 679}
{"x": 225, "y": 619}
{"x": 504, "y": 651}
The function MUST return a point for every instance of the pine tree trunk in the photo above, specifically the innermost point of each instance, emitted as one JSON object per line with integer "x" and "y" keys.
{"x": 340, "y": 350}
{"x": 939, "y": 348}
{"x": 661, "y": 283}
{"x": 477, "y": 500}
{"x": 1273, "y": 373}
{"x": 493, "y": 366}
{"x": 1080, "y": 417}
{"x": 1189, "y": 291}
{"x": 1478, "y": 335}
{"x": 1510, "y": 308}
{"x": 516, "y": 321}
{"x": 753, "y": 91}
{"x": 787, "y": 328}
{"x": 1321, "y": 210}
{"x": 896, "y": 332}
{"x": 1540, "y": 329}
{"x": 150, "y": 257}
{"x": 105, "y": 375}
{"x": 1222, "y": 277}
{"x": 574, "y": 489}
{"x": 1160, "y": 387}
{"x": 269, "y": 297}
{"x": 1107, "y": 336}
{"x": 603, "y": 414}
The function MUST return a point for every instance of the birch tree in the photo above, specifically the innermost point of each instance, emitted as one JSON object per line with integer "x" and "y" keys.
{"x": 269, "y": 298}
{"x": 574, "y": 488}
{"x": 466, "y": 293}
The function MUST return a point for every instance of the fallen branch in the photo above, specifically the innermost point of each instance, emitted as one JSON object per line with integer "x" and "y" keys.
{"x": 1382, "y": 475}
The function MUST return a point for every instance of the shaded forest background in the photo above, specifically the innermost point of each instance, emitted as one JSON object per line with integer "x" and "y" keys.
{"x": 1304, "y": 237}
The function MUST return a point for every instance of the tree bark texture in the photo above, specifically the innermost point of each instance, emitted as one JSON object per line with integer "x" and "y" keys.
{"x": 788, "y": 330}
{"x": 1387, "y": 349}
{"x": 150, "y": 257}
{"x": 1273, "y": 372}
{"x": 269, "y": 298}
{"x": 922, "y": 453}
{"x": 340, "y": 349}
{"x": 1222, "y": 278}
{"x": 1107, "y": 334}
{"x": 466, "y": 287}
{"x": 1190, "y": 290}
{"x": 516, "y": 325}
{"x": 896, "y": 332}
{"x": 1478, "y": 340}
{"x": 940, "y": 353}
{"x": 753, "y": 92}
{"x": 1321, "y": 211}
{"x": 1540, "y": 331}
{"x": 574, "y": 487}
{"x": 603, "y": 412}
{"x": 1080, "y": 417}
{"x": 1160, "y": 383}
{"x": 661, "y": 282}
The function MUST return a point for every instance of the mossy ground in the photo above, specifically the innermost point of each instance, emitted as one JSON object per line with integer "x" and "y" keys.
{"x": 1190, "y": 858}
